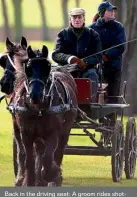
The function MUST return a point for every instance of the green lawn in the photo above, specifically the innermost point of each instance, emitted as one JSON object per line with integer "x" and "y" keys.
{"x": 77, "y": 170}
{"x": 31, "y": 13}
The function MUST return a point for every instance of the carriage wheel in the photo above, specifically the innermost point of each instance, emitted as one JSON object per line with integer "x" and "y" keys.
{"x": 117, "y": 151}
{"x": 130, "y": 148}
{"x": 15, "y": 158}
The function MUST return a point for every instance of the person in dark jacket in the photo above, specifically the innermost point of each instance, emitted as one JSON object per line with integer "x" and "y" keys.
{"x": 111, "y": 33}
{"x": 75, "y": 43}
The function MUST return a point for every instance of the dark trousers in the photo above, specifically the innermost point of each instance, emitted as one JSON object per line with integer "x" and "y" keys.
{"x": 113, "y": 78}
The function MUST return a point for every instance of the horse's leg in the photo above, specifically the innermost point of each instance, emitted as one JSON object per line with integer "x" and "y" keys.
{"x": 20, "y": 155}
{"x": 63, "y": 139}
{"x": 50, "y": 170}
{"x": 29, "y": 179}
{"x": 39, "y": 147}
{"x": 15, "y": 164}
{"x": 58, "y": 155}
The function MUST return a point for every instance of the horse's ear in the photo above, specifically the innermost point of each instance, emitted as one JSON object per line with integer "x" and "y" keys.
{"x": 30, "y": 52}
{"x": 23, "y": 43}
{"x": 9, "y": 44}
{"x": 45, "y": 51}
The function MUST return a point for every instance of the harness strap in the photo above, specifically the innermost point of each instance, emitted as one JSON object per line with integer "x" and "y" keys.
{"x": 68, "y": 100}
{"x": 51, "y": 110}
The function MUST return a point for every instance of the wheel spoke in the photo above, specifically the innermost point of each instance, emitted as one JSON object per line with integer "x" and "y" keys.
{"x": 133, "y": 144}
{"x": 130, "y": 148}
{"x": 117, "y": 151}
{"x": 132, "y": 162}
{"x": 118, "y": 166}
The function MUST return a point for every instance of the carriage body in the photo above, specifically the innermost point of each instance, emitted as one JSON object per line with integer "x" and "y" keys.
{"x": 114, "y": 142}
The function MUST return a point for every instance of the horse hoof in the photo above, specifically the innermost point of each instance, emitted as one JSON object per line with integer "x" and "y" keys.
{"x": 18, "y": 183}
{"x": 58, "y": 181}
{"x": 40, "y": 183}
{"x": 51, "y": 184}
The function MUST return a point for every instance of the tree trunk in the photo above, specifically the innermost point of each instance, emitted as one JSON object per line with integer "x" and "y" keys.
{"x": 45, "y": 30}
{"x": 77, "y": 3}
{"x": 127, "y": 14}
{"x": 17, "y": 19}
{"x": 5, "y": 16}
{"x": 131, "y": 58}
{"x": 64, "y": 6}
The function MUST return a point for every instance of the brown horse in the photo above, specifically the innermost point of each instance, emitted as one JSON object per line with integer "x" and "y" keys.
{"x": 7, "y": 86}
{"x": 45, "y": 107}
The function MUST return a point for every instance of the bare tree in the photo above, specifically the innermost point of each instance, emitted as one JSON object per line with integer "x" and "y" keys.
{"x": 130, "y": 55}
{"x": 5, "y": 16}
{"x": 17, "y": 19}
{"x": 127, "y": 14}
{"x": 64, "y": 6}
{"x": 45, "y": 29}
{"x": 77, "y": 3}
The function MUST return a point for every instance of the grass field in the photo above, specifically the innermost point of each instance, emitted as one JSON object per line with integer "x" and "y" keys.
{"x": 31, "y": 17}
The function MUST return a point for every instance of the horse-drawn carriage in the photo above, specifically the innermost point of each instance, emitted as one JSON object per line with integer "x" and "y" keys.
{"x": 113, "y": 141}
{"x": 39, "y": 97}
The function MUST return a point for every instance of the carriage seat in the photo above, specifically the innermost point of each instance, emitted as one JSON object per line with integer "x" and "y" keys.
{"x": 84, "y": 87}
{"x": 84, "y": 90}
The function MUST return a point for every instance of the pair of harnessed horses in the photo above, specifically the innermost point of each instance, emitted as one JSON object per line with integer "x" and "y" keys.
{"x": 43, "y": 107}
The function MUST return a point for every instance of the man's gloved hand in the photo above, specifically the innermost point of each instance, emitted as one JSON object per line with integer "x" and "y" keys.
{"x": 76, "y": 60}
{"x": 105, "y": 58}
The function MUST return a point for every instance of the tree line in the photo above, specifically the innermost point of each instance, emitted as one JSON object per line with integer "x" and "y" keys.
{"x": 17, "y": 7}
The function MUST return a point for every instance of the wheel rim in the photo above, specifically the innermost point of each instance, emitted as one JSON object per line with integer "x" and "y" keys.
{"x": 119, "y": 155}
{"x": 130, "y": 148}
{"x": 117, "y": 151}
{"x": 132, "y": 151}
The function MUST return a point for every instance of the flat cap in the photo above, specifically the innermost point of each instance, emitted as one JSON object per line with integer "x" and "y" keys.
{"x": 76, "y": 11}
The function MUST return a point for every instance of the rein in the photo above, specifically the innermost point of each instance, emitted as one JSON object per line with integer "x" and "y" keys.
{"x": 10, "y": 60}
{"x": 15, "y": 107}
{"x": 38, "y": 80}
{"x": 52, "y": 109}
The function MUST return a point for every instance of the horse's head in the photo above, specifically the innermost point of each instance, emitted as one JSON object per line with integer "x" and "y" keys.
{"x": 37, "y": 71}
{"x": 8, "y": 78}
{"x": 7, "y": 62}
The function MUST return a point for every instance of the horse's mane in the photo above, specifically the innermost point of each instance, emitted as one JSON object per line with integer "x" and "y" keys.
{"x": 20, "y": 72}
